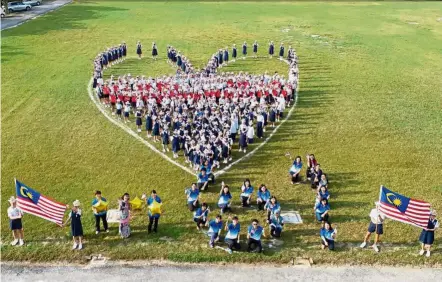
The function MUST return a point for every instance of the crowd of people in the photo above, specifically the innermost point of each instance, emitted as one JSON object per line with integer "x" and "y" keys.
{"x": 199, "y": 114}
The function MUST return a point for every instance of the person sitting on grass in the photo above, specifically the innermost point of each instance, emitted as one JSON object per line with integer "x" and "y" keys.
{"x": 200, "y": 216}
{"x": 232, "y": 237}
{"x": 254, "y": 233}
{"x": 225, "y": 198}
{"x": 295, "y": 169}
{"x": 209, "y": 171}
{"x": 276, "y": 224}
{"x": 215, "y": 227}
{"x": 311, "y": 164}
{"x": 15, "y": 215}
{"x": 203, "y": 180}
{"x": 262, "y": 197}
{"x": 316, "y": 176}
{"x": 76, "y": 226}
{"x": 376, "y": 226}
{"x": 193, "y": 195}
{"x": 246, "y": 193}
{"x": 328, "y": 236}
{"x": 321, "y": 211}
{"x": 323, "y": 182}
{"x": 322, "y": 194}
{"x": 272, "y": 206}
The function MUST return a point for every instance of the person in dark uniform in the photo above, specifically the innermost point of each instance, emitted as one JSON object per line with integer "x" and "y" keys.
{"x": 124, "y": 50}
{"x": 149, "y": 124}
{"x": 156, "y": 129}
{"x": 234, "y": 53}
{"x": 281, "y": 51}
{"x": 271, "y": 49}
{"x": 154, "y": 51}
{"x": 165, "y": 136}
{"x": 138, "y": 120}
{"x": 255, "y": 48}
{"x": 139, "y": 51}
{"x": 427, "y": 234}
{"x": 226, "y": 56}
{"x": 244, "y": 50}
{"x": 76, "y": 226}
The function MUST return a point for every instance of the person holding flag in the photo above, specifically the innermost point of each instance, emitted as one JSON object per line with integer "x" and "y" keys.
{"x": 15, "y": 215}
{"x": 99, "y": 207}
{"x": 427, "y": 234}
{"x": 154, "y": 205}
{"x": 375, "y": 226}
{"x": 232, "y": 237}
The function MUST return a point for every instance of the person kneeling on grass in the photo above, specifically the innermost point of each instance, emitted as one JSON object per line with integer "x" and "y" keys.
{"x": 321, "y": 211}
{"x": 376, "y": 225}
{"x": 276, "y": 224}
{"x": 254, "y": 233}
{"x": 262, "y": 197}
{"x": 247, "y": 192}
{"x": 232, "y": 237}
{"x": 203, "y": 180}
{"x": 209, "y": 171}
{"x": 322, "y": 194}
{"x": 76, "y": 226}
{"x": 193, "y": 195}
{"x": 225, "y": 198}
{"x": 15, "y": 214}
{"x": 215, "y": 227}
{"x": 328, "y": 236}
{"x": 200, "y": 216}
{"x": 272, "y": 206}
{"x": 295, "y": 169}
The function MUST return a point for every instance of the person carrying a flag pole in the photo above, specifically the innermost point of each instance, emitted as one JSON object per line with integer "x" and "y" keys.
{"x": 375, "y": 226}
{"x": 427, "y": 235}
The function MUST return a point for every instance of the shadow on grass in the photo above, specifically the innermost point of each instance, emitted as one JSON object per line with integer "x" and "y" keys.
{"x": 8, "y": 52}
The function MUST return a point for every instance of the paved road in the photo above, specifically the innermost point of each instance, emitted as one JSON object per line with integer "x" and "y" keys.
{"x": 183, "y": 273}
{"x": 18, "y": 18}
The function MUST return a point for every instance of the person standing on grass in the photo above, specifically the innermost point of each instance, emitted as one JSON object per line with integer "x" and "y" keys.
{"x": 224, "y": 199}
{"x": 226, "y": 56}
{"x": 76, "y": 226}
{"x": 234, "y": 53}
{"x": 15, "y": 215}
{"x": 427, "y": 235}
{"x": 125, "y": 208}
{"x": 271, "y": 49}
{"x": 276, "y": 224}
{"x": 295, "y": 169}
{"x": 139, "y": 51}
{"x": 328, "y": 236}
{"x": 154, "y": 204}
{"x": 255, "y": 48}
{"x": 246, "y": 193}
{"x": 193, "y": 195}
{"x": 281, "y": 51}
{"x": 215, "y": 227}
{"x": 154, "y": 51}
{"x": 376, "y": 226}
{"x": 200, "y": 216}
{"x": 262, "y": 197}
{"x": 232, "y": 236}
{"x": 244, "y": 50}
{"x": 99, "y": 207}
{"x": 321, "y": 211}
{"x": 254, "y": 233}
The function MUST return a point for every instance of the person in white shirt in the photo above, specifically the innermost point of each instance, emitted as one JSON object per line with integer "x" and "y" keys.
{"x": 250, "y": 133}
{"x": 15, "y": 214}
{"x": 376, "y": 226}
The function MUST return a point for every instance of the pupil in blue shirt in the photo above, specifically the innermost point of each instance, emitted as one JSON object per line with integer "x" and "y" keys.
{"x": 247, "y": 192}
{"x": 209, "y": 171}
{"x": 328, "y": 235}
{"x": 272, "y": 206}
{"x": 232, "y": 237}
{"x": 254, "y": 233}
{"x": 224, "y": 199}
{"x": 200, "y": 216}
{"x": 295, "y": 169}
{"x": 192, "y": 197}
{"x": 203, "y": 180}
{"x": 262, "y": 197}
{"x": 276, "y": 224}
{"x": 215, "y": 227}
{"x": 321, "y": 211}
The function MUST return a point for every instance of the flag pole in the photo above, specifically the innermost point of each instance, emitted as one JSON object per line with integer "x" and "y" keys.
{"x": 377, "y": 210}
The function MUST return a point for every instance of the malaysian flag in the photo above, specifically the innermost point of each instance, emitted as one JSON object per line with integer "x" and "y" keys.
{"x": 32, "y": 202}
{"x": 403, "y": 209}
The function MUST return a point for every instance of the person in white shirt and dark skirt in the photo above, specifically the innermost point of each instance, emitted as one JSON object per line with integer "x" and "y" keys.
{"x": 427, "y": 234}
{"x": 15, "y": 214}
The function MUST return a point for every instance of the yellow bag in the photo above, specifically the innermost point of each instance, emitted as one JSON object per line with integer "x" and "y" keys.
{"x": 155, "y": 207}
{"x": 136, "y": 203}
{"x": 101, "y": 206}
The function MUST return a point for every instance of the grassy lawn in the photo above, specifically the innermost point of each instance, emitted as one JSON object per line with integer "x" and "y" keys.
{"x": 369, "y": 108}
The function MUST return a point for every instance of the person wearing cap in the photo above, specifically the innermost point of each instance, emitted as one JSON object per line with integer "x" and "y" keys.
{"x": 153, "y": 214}
{"x": 232, "y": 236}
{"x": 15, "y": 215}
{"x": 254, "y": 233}
{"x": 99, "y": 207}
{"x": 427, "y": 235}
{"x": 376, "y": 226}
{"x": 76, "y": 226}
{"x": 276, "y": 224}
{"x": 328, "y": 236}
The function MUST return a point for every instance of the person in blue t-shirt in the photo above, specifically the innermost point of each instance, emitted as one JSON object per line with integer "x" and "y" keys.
{"x": 322, "y": 194}
{"x": 246, "y": 193}
{"x": 203, "y": 180}
{"x": 321, "y": 211}
{"x": 254, "y": 233}
{"x": 262, "y": 197}
{"x": 295, "y": 169}
{"x": 232, "y": 238}
{"x": 153, "y": 217}
{"x": 200, "y": 216}
{"x": 209, "y": 171}
{"x": 276, "y": 224}
{"x": 225, "y": 198}
{"x": 193, "y": 195}
{"x": 215, "y": 227}
{"x": 99, "y": 213}
{"x": 328, "y": 236}
{"x": 272, "y": 206}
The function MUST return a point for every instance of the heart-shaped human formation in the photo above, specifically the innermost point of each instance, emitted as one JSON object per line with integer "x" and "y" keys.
{"x": 203, "y": 116}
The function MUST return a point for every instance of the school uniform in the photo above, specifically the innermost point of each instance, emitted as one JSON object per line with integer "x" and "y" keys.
{"x": 153, "y": 218}
{"x": 272, "y": 115}
{"x": 320, "y": 209}
{"x": 259, "y": 126}
{"x": 232, "y": 236}
{"x": 165, "y": 137}
{"x": 262, "y": 198}
{"x": 271, "y": 208}
{"x": 149, "y": 124}
{"x": 223, "y": 202}
{"x": 201, "y": 180}
{"x": 214, "y": 228}
{"x": 139, "y": 51}
{"x": 15, "y": 224}
{"x": 138, "y": 121}
{"x": 119, "y": 108}
{"x": 234, "y": 53}
{"x": 192, "y": 198}
{"x": 154, "y": 50}
{"x": 226, "y": 56}
{"x": 243, "y": 140}
{"x": 376, "y": 223}
{"x": 245, "y": 195}
{"x": 271, "y": 49}
{"x": 327, "y": 235}
{"x": 156, "y": 129}
{"x": 254, "y": 242}
{"x": 276, "y": 224}
{"x": 294, "y": 171}
{"x": 244, "y": 49}
{"x": 100, "y": 214}
{"x": 281, "y": 51}
{"x": 200, "y": 216}
{"x": 255, "y": 48}
{"x": 76, "y": 226}
{"x": 175, "y": 143}
{"x": 427, "y": 237}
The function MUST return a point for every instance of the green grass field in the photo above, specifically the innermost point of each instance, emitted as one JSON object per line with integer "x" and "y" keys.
{"x": 369, "y": 108}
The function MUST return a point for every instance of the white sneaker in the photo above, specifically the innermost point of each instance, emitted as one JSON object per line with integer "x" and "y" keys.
{"x": 80, "y": 246}
{"x": 96, "y": 232}
{"x": 107, "y": 230}
{"x": 376, "y": 249}
{"x": 21, "y": 243}
{"x": 74, "y": 246}
{"x": 164, "y": 151}
{"x": 245, "y": 150}
{"x": 428, "y": 254}
{"x": 422, "y": 252}
{"x": 363, "y": 245}
{"x": 13, "y": 243}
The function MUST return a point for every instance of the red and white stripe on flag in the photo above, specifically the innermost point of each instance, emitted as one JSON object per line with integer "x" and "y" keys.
{"x": 45, "y": 208}
{"x": 417, "y": 213}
